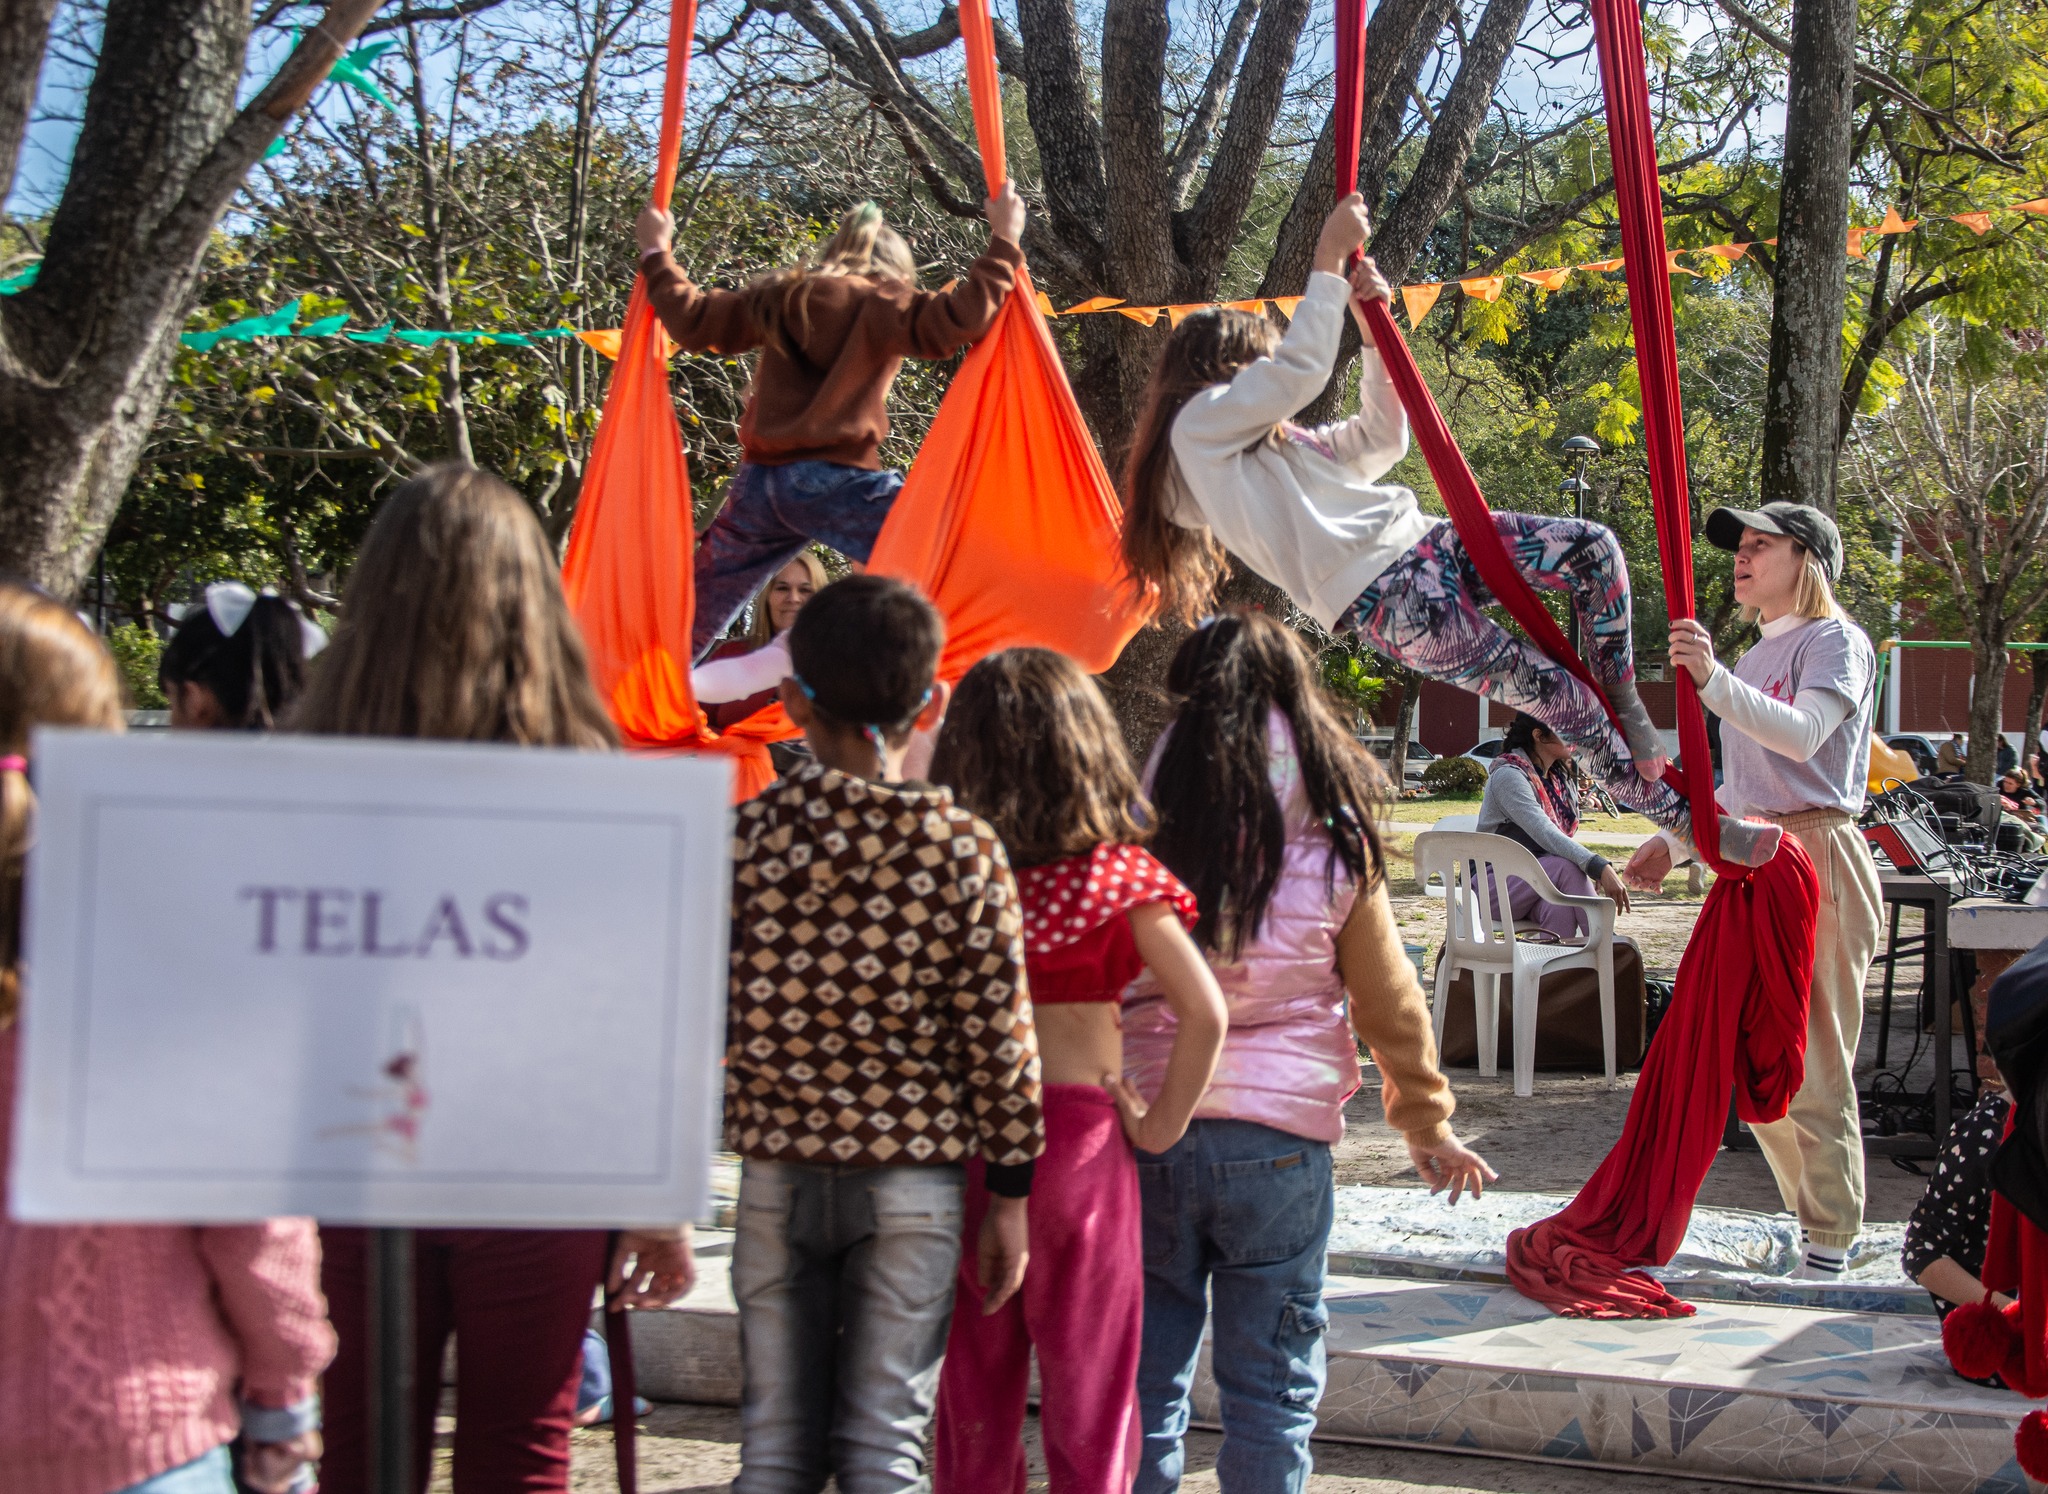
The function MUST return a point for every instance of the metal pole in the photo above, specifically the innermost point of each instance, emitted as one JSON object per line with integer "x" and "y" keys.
{"x": 393, "y": 1368}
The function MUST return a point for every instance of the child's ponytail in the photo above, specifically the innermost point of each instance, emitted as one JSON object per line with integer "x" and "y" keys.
{"x": 1182, "y": 564}
{"x": 864, "y": 244}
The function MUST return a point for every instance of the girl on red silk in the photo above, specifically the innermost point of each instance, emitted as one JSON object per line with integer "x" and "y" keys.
{"x": 1030, "y": 745}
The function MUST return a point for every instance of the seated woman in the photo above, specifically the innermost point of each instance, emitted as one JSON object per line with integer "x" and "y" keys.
{"x": 729, "y": 684}
{"x": 1532, "y": 798}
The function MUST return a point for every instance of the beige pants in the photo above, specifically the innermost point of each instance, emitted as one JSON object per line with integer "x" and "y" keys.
{"x": 1816, "y": 1151}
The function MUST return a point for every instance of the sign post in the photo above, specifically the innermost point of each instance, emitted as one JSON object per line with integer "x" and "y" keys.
{"x": 388, "y": 984}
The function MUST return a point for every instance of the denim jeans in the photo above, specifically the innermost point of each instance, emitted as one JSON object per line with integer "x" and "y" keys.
{"x": 770, "y": 514}
{"x": 210, "y": 1473}
{"x": 1237, "y": 1220}
{"x": 844, "y": 1278}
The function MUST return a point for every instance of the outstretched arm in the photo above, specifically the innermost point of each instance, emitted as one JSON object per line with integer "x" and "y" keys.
{"x": 700, "y": 321}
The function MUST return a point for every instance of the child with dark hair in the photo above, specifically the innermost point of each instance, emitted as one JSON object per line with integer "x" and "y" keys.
{"x": 1219, "y": 463}
{"x": 1030, "y": 743}
{"x": 879, "y": 1036}
{"x": 237, "y": 661}
{"x": 832, "y": 331}
{"x": 1265, "y": 808}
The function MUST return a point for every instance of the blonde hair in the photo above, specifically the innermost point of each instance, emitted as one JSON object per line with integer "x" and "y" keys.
{"x": 763, "y": 630}
{"x": 864, "y": 244}
{"x": 53, "y": 672}
{"x": 453, "y": 626}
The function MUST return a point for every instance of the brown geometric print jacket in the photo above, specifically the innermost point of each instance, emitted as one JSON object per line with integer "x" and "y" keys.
{"x": 878, "y": 1011}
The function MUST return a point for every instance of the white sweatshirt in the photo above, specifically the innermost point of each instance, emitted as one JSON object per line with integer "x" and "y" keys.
{"x": 1302, "y": 507}
{"x": 742, "y": 675}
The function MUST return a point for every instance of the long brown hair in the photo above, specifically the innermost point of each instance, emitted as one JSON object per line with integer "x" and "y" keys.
{"x": 1222, "y": 827}
{"x": 1029, "y": 744}
{"x": 864, "y": 244}
{"x": 453, "y": 626}
{"x": 53, "y": 672}
{"x": 1182, "y": 565}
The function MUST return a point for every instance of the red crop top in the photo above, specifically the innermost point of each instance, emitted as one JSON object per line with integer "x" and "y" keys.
{"x": 1077, "y": 941}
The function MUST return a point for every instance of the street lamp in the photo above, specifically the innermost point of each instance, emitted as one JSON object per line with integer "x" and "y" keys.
{"x": 1581, "y": 450}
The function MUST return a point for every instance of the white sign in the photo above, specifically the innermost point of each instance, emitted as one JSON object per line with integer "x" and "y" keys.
{"x": 379, "y": 983}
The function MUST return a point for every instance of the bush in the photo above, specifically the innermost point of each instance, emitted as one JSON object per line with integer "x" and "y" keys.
{"x": 1454, "y": 775}
{"x": 136, "y": 650}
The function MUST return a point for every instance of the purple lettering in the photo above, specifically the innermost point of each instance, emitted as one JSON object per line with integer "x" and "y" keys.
{"x": 499, "y": 908}
{"x": 446, "y": 923}
{"x": 373, "y": 907}
{"x": 321, "y": 920}
{"x": 266, "y": 918}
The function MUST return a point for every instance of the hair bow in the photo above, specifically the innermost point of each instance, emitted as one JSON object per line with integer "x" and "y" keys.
{"x": 229, "y": 604}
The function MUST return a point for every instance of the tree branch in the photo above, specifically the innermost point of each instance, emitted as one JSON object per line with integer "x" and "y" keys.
{"x": 1194, "y": 136}
{"x": 1209, "y": 227}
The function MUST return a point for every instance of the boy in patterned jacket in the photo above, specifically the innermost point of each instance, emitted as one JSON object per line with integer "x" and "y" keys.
{"x": 878, "y": 1034}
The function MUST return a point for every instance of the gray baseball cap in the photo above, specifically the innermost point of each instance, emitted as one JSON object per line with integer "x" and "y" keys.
{"x": 1801, "y": 521}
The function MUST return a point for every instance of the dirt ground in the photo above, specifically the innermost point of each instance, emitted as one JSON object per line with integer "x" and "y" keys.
{"x": 695, "y": 1450}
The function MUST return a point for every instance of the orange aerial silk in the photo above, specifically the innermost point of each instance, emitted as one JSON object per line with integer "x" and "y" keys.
{"x": 1008, "y": 519}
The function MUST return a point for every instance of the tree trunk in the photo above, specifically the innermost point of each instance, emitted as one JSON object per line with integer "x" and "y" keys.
{"x": 1804, "y": 392}
{"x": 86, "y": 351}
{"x": 1987, "y": 702}
{"x": 1410, "y": 684}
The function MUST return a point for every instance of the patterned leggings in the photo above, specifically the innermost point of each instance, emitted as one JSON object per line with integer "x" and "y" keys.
{"x": 1424, "y": 612}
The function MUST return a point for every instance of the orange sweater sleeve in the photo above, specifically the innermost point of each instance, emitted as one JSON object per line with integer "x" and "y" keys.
{"x": 1391, "y": 1018}
{"x": 700, "y": 320}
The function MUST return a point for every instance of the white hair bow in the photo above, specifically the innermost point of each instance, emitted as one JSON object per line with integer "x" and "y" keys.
{"x": 229, "y": 604}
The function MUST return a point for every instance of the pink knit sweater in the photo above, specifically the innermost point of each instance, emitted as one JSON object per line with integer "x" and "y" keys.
{"x": 123, "y": 1347}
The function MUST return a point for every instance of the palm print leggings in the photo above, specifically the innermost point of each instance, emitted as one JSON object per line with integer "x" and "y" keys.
{"x": 1424, "y": 612}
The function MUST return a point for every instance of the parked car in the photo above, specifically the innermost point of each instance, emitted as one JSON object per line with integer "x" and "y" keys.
{"x": 1486, "y": 751}
{"x": 1419, "y": 756}
{"x": 1917, "y": 748}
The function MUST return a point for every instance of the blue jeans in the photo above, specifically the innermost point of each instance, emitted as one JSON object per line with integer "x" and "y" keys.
{"x": 844, "y": 1279}
{"x": 211, "y": 1473}
{"x": 1240, "y": 1213}
{"x": 770, "y": 514}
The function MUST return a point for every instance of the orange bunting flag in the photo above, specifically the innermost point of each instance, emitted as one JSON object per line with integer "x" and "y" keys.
{"x": 1893, "y": 223}
{"x": 1287, "y": 305}
{"x": 1178, "y": 314}
{"x": 1417, "y": 300}
{"x": 1145, "y": 314}
{"x": 1977, "y": 223}
{"x": 1602, "y": 266}
{"x": 1252, "y": 306}
{"x": 1729, "y": 252}
{"x": 1093, "y": 303}
{"x": 1008, "y": 519}
{"x": 1045, "y": 303}
{"x": 1550, "y": 280}
{"x": 1484, "y": 287}
{"x": 1856, "y": 237}
{"x": 1672, "y": 266}
{"x": 2039, "y": 206}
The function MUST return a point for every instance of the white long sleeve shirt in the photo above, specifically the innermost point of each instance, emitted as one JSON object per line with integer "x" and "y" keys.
{"x": 742, "y": 675}
{"x": 1301, "y": 506}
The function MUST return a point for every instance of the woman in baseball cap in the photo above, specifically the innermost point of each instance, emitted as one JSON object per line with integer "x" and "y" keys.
{"x": 1795, "y": 715}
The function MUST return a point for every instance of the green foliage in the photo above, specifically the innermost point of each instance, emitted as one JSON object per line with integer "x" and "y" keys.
{"x": 136, "y": 650}
{"x": 1454, "y": 775}
{"x": 1347, "y": 675}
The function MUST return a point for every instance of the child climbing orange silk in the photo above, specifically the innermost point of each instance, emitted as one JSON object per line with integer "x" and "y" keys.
{"x": 1007, "y": 520}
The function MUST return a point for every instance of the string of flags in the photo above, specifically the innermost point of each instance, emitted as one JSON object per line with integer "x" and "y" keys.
{"x": 1417, "y": 300}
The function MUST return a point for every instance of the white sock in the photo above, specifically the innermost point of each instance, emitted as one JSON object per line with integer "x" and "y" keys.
{"x": 1822, "y": 1262}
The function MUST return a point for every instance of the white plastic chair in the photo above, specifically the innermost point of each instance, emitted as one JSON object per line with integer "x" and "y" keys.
{"x": 1479, "y": 936}
{"x": 1448, "y": 822}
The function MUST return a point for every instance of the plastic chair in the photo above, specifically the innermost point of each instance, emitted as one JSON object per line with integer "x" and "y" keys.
{"x": 1448, "y": 822}
{"x": 1479, "y": 937}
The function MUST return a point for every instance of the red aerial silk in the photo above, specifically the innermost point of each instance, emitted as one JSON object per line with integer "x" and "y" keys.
{"x": 1740, "y": 1003}
{"x": 2016, "y": 1264}
{"x": 1008, "y": 519}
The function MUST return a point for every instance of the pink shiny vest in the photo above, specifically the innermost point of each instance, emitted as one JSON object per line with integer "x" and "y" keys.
{"x": 1290, "y": 1060}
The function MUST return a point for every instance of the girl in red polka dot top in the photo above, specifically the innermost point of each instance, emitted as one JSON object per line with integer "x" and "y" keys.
{"x": 1029, "y": 745}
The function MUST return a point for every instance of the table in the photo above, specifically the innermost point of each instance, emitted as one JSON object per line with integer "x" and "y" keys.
{"x": 1997, "y": 933}
{"x": 1934, "y": 896}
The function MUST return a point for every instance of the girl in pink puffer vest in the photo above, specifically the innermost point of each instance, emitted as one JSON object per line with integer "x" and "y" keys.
{"x": 1265, "y": 811}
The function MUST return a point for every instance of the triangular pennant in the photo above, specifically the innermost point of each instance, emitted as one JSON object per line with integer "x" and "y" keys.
{"x": 1977, "y": 223}
{"x": 1893, "y": 223}
{"x": 1144, "y": 314}
{"x": 1093, "y": 303}
{"x": 1287, "y": 305}
{"x": 1484, "y": 287}
{"x": 371, "y": 334}
{"x": 1417, "y": 299}
{"x": 1178, "y": 314}
{"x": 1550, "y": 280}
{"x": 1602, "y": 266}
{"x": 2039, "y": 206}
{"x": 1856, "y": 237}
{"x": 327, "y": 326}
{"x": 1045, "y": 303}
{"x": 1672, "y": 265}
{"x": 1729, "y": 252}
{"x": 1255, "y": 307}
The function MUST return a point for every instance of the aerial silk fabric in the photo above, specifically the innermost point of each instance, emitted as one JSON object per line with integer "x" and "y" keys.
{"x": 627, "y": 573}
{"x": 1738, "y": 1014}
{"x": 1008, "y": 519}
